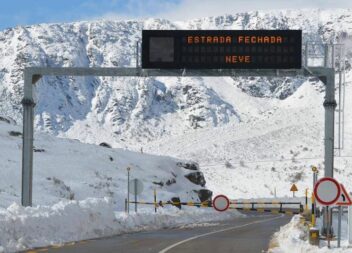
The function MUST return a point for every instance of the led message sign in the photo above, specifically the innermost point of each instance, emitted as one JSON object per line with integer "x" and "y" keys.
{"x": 216, "y": 49}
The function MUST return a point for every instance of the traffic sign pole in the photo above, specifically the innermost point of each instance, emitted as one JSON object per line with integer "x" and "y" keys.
{"x": 327, "y": 192}
{"x": 350, "y": 225}
{"x": 339, "y": 228}
{"x": 315, "y": 179}
{"x": 155, "y": 204}
{"x": 135, "y": 195}
{"x": 293, "y": 190}
{"x": 135, "y": 188}
{"x": 128, "y": 190}
{"x": 306, "y": 202}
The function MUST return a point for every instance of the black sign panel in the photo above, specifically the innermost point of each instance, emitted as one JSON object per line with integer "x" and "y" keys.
{"x": 216, "y": 49}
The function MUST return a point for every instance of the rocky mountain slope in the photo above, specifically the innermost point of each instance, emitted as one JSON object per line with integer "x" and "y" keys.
{"x": 182, "y": 117}
{"x": 136, "y": 109}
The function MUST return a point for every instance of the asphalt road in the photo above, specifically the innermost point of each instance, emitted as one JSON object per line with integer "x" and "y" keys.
{"x": 249, "y": 234}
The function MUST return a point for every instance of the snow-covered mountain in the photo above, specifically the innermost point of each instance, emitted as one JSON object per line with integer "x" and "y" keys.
{"x": 215, "y": 121}
{"x": 130, "y": 110}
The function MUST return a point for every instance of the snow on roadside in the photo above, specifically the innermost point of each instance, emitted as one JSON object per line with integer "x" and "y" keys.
{"x": 293, "y": 238}
{"x": 23, "y": 228}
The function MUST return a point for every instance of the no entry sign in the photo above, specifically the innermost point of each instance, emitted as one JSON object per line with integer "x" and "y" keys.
{"x": 221, "y": 203}
{"x": 327, "y": 191}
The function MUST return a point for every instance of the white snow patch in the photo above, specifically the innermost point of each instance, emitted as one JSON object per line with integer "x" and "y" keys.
{"x": 293, "y": 238}
{"x": 28, "y": 227}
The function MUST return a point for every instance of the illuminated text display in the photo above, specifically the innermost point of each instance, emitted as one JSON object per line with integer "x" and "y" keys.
{"x": 215, "y": 49}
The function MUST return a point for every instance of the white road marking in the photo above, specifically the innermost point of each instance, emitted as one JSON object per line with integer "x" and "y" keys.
{"x": 214, "y": 232}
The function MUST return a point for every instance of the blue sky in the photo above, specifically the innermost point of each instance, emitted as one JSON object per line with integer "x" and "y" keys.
{"x": 27, "y": 12}
{"x": 23, "y": 12}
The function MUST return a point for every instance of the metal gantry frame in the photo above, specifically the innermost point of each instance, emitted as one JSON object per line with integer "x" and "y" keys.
{"x": 331, "y": 55}
{"x": 33, "y": 75}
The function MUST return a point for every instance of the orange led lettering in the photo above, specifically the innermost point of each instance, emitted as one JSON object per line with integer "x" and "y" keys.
{"x": 259, "y": 39}
{"x": 237, "y": 59}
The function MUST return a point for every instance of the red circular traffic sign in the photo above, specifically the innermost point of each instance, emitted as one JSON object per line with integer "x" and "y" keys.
{"x": 221, "y": 203}
{"x": 327, "y": 191}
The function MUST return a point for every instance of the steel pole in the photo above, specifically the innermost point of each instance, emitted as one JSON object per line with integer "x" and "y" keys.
{"x": 315, "y": 203}
{"x": 327, "y": 220}
{"x": 306, "y": 55}
{"x": 349, "y": 219}
{"x": 329, "y": 105}
{"x": 155, "y": 204}
{"x": 340, "y": 105}
{"x": 306, "y": 200}
{"x": 326, "y": 55}
{"x": 343, "y": 97}
{"x": 137, "y": 54}
{"x": 339, "y": 227}
{"x": 135, "y": 195}
{"x": 27, "y": 140}
{"x": 128, "y": 190}
{"x": 315, "y": 179}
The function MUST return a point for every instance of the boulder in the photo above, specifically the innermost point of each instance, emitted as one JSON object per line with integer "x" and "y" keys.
{"x": 176, "y": 201}
{"x": 104, "y": 144}
{"x": 196, "y": 178}
{"x": 188, "y": 166}
{"x": 205, "y": 195}
{"x": 15, "y": 133}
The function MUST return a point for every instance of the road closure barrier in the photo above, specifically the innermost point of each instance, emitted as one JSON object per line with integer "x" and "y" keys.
{"x": 174, "y": 203}
{"x": 289, "y": 208}
{"x": 272, "y": 206}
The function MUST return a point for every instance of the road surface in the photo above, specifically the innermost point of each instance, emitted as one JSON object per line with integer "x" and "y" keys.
{"x": 249, "y": 234}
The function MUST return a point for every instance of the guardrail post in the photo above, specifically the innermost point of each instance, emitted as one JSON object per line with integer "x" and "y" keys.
{"x": 280, "y": 208}
{"x": 252, "y": 206}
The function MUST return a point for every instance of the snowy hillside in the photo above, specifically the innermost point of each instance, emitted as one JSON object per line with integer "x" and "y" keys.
{"x": 130, "y": 110}
{"x": 263, "y": 155}
{"x": 252, "y": 136}
{"x": 69, "y": 170}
